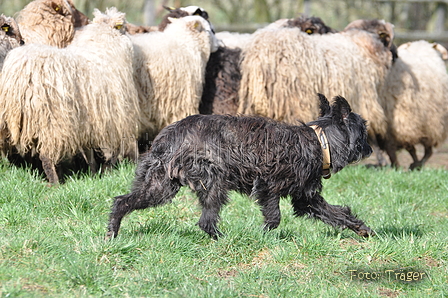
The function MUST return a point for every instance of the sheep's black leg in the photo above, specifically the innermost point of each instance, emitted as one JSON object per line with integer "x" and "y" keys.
{"x": 418, "y": 164}
{"x": 334, "y": 215}
{"x": 391, "y": 150}
{"x": 49, "y": 169}
{"x": 428, "y": 154}
{"x": 153, "y": 193}
{"x": 89, "y": 157}
{"x": 373, "y": 141}
{"x": 413, "y": 153}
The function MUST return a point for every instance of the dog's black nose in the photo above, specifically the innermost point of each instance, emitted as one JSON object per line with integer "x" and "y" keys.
{"x": 367, "y": 150}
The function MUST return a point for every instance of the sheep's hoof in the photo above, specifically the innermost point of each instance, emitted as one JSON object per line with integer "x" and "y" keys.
{"x": 416, "y": 166}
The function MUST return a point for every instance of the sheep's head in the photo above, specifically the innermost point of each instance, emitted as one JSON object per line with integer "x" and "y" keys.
{"x": 80, "y": 19}
{"x": 310, "y": 25}
{"x": 112, "y": 17}
{"x": 174, "y": 13}
{"x": 197, "y": 24}
{"x": 183, "y": 12}
{"x": 383, "y": 29}
{"x": 51, "y": 10}
{"x": 50, "y": 22}
{"x": 10, "y": 29}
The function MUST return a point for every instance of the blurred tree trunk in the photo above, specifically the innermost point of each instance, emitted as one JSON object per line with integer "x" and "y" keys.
{"x": 149, "y": 12}
{"x": 440, "y": 17}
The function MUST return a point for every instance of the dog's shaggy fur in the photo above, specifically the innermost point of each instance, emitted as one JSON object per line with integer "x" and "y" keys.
{"x": 214, "y": 154}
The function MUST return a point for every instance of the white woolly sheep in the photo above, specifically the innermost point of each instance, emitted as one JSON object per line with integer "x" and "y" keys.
{"x": 59, "y": 102}
{"x": 170, "y": 88}
{"x": 283, "y": 69}
{"x": 416, "y": 95}
{"x": 10, "y": 37}
{"x": 50, "y": 22}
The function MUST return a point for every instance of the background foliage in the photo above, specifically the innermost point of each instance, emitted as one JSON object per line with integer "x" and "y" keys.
{"x": 406, "y": 15}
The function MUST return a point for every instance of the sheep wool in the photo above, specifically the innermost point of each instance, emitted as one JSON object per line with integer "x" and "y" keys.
{"x": 283, "y": 69}
{"x": 50, "y": 22}
{"x": 416, "y": 94}
{"x": 58, "y": 102}
{"x": 170, "y": 69}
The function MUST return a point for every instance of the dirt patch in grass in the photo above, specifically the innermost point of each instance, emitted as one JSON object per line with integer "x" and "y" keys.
{"x": 385, "y": 292}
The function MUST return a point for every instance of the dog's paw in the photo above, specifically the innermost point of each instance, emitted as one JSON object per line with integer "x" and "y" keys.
{"x": 365, "y": 231}
{"x": 109, "y": 236}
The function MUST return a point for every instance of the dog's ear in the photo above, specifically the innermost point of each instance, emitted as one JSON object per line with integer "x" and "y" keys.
{"x": 324, "y": 105}
{"x": 340, "y": 108}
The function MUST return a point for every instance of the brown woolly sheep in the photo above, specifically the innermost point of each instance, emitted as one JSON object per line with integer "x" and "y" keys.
{"x": 171, "y": 88}
{"x": 282, "y": 68}
{"x": 10, "y": 36}
{"x": 50, "y": 22}
{"x": 59, "y": 102}
{"x": 416, "y": 95}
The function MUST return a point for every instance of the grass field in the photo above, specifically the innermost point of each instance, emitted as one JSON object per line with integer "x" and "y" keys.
{"x": 52, "y": 241}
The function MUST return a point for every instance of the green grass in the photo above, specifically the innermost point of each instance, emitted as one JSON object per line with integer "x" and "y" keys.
{"x": 52, "y": 241}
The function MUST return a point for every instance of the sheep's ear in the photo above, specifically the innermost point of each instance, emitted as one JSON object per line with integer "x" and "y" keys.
{"x": 340, "y": 109}
{"x": 169, "y": 8}
{"x": 197, "y": 25}
{"x": 443, "y": 51}
{"x": 172, "y": 20}
{"x": 324, "y": 105}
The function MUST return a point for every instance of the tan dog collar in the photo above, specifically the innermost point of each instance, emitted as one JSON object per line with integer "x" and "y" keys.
{"x": 326, "y": 163}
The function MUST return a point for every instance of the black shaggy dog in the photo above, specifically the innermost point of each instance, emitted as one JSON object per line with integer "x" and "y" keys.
{"x": 214, "y": 154}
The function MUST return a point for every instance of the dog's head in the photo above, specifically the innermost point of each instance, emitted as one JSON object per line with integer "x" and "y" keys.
{"x": 346, "y": 132}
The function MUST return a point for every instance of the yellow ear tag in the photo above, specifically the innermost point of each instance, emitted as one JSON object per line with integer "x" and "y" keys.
{"x": 5, "y": 28}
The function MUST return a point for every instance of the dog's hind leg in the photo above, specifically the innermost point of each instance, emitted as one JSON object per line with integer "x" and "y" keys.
{"x": 334, "y": 215}
{"x": 154, "y": 193}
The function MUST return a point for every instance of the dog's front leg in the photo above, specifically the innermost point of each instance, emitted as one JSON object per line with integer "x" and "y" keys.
{"x": 271, "y": 211}
{"x": 211, "y": 201}
{"x": 334, "y": 215}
